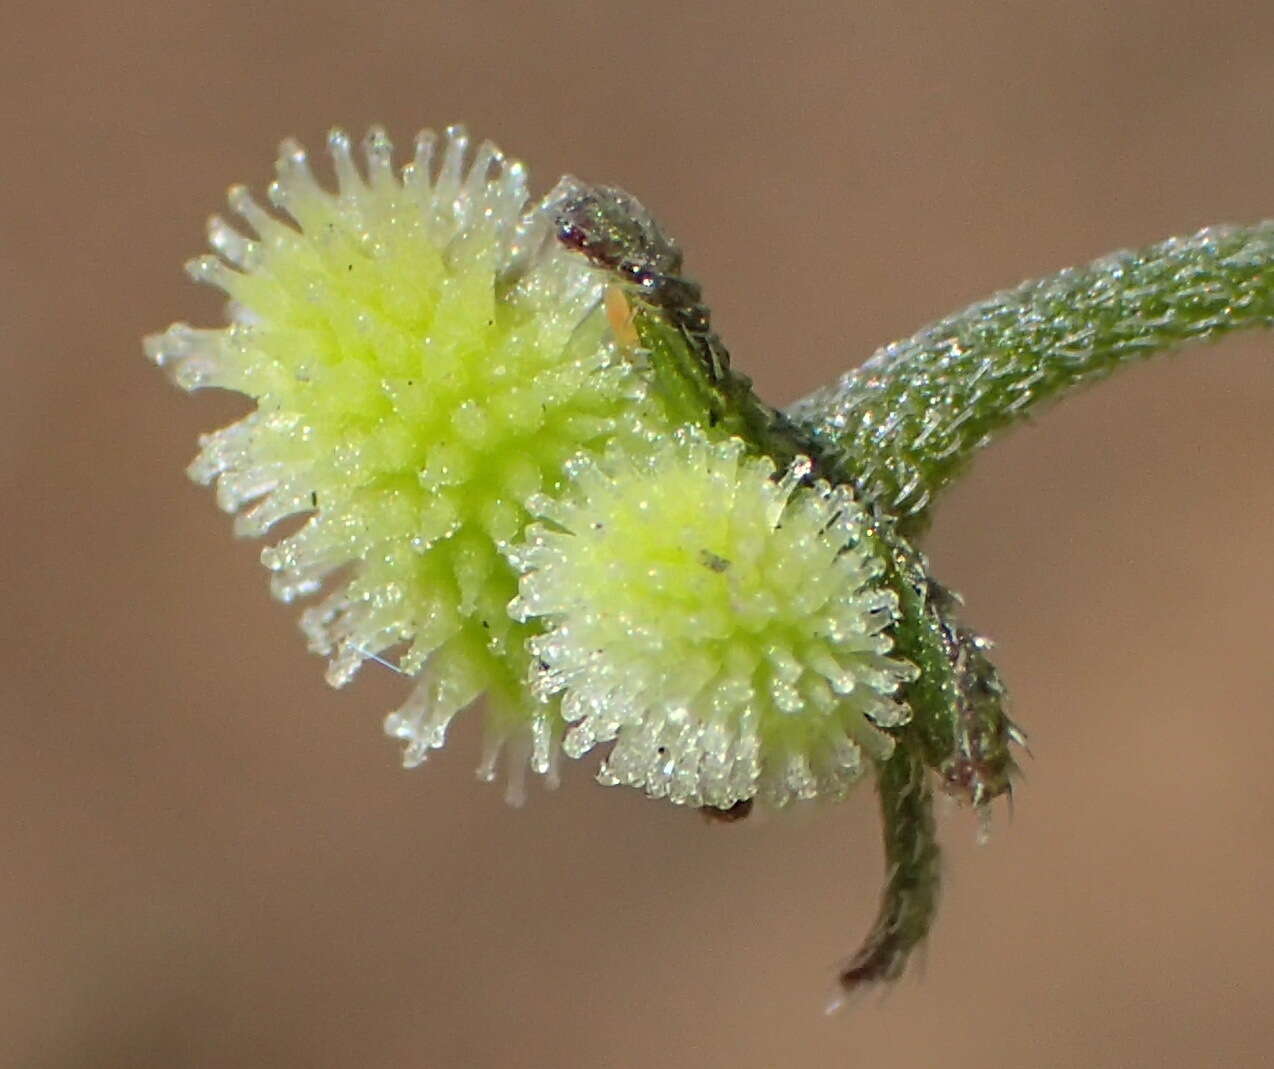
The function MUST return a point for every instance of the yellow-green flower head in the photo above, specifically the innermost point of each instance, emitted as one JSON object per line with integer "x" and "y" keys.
{"x": 424, "y": 358}
{"x": 725, "y": 629}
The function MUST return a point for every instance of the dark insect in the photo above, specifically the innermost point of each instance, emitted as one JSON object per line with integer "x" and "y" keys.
{"x": 614, "y": 231}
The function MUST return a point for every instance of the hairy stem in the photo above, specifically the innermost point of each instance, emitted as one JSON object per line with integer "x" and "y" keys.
{"x": 910, "y": 898}
{"x": 909, "y": 419}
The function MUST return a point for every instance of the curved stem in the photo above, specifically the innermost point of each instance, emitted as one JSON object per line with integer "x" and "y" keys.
{"x": 908, "y": 420}
{"x": 910, "y": 898}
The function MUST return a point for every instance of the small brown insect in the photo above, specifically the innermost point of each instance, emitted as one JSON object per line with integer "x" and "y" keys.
{"x": 614, "y": 231}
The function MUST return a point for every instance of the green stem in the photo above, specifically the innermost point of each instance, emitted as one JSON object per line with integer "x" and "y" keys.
{"x": 712, "y": 395}
{"x": 959, "y": 721}
{"x": 910, "y": 898}
{"x": 908, "y": 420}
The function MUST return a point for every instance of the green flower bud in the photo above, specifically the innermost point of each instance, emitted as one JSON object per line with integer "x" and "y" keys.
{"x": 424, "y": 357}
{"x": 726, "y": 629}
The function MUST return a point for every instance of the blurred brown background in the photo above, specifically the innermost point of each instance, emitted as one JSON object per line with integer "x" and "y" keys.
{"x": 212, "y": 860}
